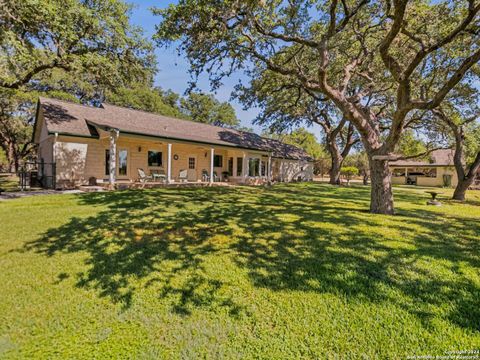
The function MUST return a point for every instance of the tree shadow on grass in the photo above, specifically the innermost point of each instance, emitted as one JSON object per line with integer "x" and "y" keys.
{"x": 311, "y": 238}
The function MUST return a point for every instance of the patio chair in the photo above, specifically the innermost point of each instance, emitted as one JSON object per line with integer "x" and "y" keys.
{"x": 143, "y": 178}
{"x": 205, "y": 176}
{"x": 183, "y": 176}
{"x": 159, "y": 175}
{"x": 215, "y": 177}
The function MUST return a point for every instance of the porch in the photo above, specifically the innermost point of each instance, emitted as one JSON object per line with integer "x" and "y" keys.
{"x": 118, "y": 160}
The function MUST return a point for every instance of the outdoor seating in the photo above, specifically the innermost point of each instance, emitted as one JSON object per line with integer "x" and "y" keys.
{"x": 158, "y": 175}
{"x": 143, "y": 178}
{"x": 183, "y": 176}
{"x": 205, "y": 176}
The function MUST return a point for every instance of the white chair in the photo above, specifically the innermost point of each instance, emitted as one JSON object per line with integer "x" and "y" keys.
{"x": 183, "y": 176}
{"x": 143, "y": 178}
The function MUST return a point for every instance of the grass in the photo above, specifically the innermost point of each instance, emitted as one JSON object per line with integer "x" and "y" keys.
{"x": 300, "y": 270}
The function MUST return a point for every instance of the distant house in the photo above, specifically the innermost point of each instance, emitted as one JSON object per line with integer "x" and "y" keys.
{"x": 438, "y": 170}
{"x": 111, "y": 143}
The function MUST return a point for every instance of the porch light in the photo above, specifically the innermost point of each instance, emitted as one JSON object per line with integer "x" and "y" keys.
{"x": 139, "y": 149}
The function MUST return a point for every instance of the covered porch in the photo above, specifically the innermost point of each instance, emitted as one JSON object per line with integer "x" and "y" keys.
{"x": 151, "y": 161}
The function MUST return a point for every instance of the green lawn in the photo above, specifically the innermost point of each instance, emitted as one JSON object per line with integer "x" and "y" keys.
{"x": 300, "y": 270}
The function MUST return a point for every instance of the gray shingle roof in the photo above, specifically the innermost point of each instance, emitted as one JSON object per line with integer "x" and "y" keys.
{"x": 69, "y": 118}
{"x": 443, "y": 157}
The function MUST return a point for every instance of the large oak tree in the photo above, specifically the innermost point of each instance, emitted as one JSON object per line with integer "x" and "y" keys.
{"x": 71, "y": 49}
{"x": 372, "y": 59}
{"x": 73, "y": 35}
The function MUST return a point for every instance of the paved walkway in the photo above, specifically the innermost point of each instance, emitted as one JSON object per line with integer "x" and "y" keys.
{"x": 20, "y": 194}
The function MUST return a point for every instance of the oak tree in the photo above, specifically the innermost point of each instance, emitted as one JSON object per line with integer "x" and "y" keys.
{"x": 370, "y": 58}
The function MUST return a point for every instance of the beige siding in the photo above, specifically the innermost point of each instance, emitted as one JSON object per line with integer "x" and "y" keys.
{"x": 78, "y": 159}
{"x": 430, "y": 181}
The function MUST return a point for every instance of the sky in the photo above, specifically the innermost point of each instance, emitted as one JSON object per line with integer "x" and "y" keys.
{"x": 173, "y": 69}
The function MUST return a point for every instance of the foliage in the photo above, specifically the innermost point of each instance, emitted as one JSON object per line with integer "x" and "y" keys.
{"x": 79, "y": 37}
{"x": 410, "y": 145}
{"x": 359, "y": 160}
{"x": 142, "y": 97}
{"x": 285, "y": 105}
{"x": 348, "y": 172}
{"x": 472, "y": 141}
{"x": 73, "y": 50}
{"x": 205, "y": 108}
{"x": 383, "y": 64}
{"x": 16, "y": 125}
{"x": 8, "y": 183}
{"x": 303, "y": 139}
{"x": 200, "y": 274}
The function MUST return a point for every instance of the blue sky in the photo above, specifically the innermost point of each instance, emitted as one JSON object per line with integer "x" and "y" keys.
{"x": 173, "y": 69}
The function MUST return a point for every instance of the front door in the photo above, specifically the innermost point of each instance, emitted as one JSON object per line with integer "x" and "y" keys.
{"x": 192, "y": 168}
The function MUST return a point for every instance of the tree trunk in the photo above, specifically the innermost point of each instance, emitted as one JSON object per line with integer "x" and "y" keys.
{"x": 461, "y": 189}
{"x": 464, "y": 181}
{"x": 381, "y": 195}
{"x": 365, "y": 178}
{"x": 11, "y": 158}
{"x": 335, "y": 171}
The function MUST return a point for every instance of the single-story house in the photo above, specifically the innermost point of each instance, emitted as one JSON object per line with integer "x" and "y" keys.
{"x": 110, "y": 144}
{"x": 438, "y": 170}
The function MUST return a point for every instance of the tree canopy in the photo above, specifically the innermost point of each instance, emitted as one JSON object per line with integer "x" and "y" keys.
{"x": 87, "y": 37}
{"x": 380, "y": 62}
{"x": 302, "y": 138}
{"x": 146, "y": 98}
{"x": 205, "y": 108}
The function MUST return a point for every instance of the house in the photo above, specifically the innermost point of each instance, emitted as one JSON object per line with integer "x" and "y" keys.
{"x": 438, "y": 170}
{"x": 111, "y": 143}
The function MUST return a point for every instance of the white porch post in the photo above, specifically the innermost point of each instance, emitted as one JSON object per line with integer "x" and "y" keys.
{"x": 169, "y": 163}
{"x": 113, "y": 157}
{"x": 244, "y": 167}
{"x": 212, "y": 154}
{"x": 269, "y": 168}
{"x": 235, "y": 165}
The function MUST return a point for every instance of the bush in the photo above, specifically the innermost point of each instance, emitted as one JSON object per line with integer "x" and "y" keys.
{"x": 348, "y": 172}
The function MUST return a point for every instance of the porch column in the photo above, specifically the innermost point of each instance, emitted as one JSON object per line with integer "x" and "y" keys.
{"x": 212, "y": 154}
{"x": 406, "y": 174}
{"x": 169, "y": 163}
{"x": 113, "y": 157}
{"x": 244, "y": 167}
{"x": 235, "y": 165}
{"x": 269, "y": 168}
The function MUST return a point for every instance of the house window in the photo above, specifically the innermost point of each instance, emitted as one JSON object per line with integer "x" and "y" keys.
{"x": 239, "y": 166}
{"x": 264, "y": 168}
{"x": 122, "y": 162}
{"x": 218, "y": 161}
{"x": 230, "y": 166}
{"x": 253, "y": 167}
{"x": 191, "y": 163}
{"x": 154, "y": 158}
{"x": 107, "y": 162}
